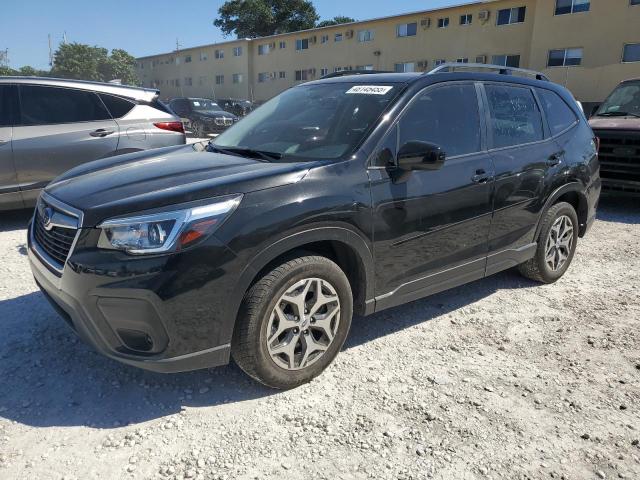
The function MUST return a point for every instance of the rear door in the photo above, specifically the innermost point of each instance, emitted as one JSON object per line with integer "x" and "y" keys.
{"x": 10, "y": 196}
{"x": 522, "y": 154}
{"x": 58, "y": 128}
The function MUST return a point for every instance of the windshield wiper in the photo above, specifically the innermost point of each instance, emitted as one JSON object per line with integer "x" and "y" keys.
{"x": 617, "y": 114}
{"x": 246, "y": 152}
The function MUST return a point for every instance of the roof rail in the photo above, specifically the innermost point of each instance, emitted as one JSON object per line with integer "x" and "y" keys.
{"x": 344, "y": 73}
{"x": 501, "y": 69}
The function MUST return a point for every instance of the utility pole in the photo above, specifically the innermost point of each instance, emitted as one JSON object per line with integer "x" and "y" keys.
{"x": 180, "y": 80}
{"x": 50, "y": 52}
{"x": 4, "y": 57}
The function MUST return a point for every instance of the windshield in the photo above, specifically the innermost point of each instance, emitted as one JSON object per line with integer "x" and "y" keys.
{"x": 624, "y": 99}
{"x": 204, "y": 105}
{"x": 326, "y": 120}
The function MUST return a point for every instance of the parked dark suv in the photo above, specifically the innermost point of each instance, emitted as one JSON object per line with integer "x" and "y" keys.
{"x": 202, "y": 116}
{"x": 346, "y": 195}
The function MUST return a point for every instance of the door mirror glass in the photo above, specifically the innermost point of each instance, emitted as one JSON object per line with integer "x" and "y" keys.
{"x": 421, "y": 156}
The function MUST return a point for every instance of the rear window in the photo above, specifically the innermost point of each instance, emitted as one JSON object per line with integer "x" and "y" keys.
{"x": 52, "y": 105}
{"x": 515, "y": 118}
{"x": 559, "y": 115}
{"x": 118, "y": 107}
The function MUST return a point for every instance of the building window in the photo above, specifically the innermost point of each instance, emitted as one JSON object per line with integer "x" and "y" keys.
{"x": 337, "y": 37}
{"x": 508, "y": 16}
{"x": 219, "y": 54}
{"x": 407, "y": 29}
{"x": 301, "y": 75}
{"x": 481, "y": 59}
{"x": 462, "y": 60}
{"x": 302, "y": 44}
{"x": 187, "y": 59}
{"x": 564, "y": 7}
{"x": 203, "y": 56}
{"x": 506, "y": 60}
{"x": 364, "y": 67}
{"x": 236, "y": 78}
{"x": 188, "y": 82}
{"x": 324, "y": 71}
{"x": 324, "y": 38}
{"x": 262, "y": 77}
{"x": 237, "y": 51}
{"x": 177, "y": 82}
{"x": 466, "y": 19}
{"x": 565, "y": 57}
{"x": 405, "y": 67}
{"x": 365, "y": 35}
{"x": 443, "y": 22}
{"x": 263, "y": 49}
{"x": 439, "y": 61}
{"x": 219, "y": 79}
{"x": 282, "y": 74}
{"x": 631, "y": 52}
{"x": 283, "y": 45}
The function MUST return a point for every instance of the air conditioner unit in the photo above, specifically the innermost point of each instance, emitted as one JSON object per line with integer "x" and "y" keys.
{"x": 349, "y": 34}
{"x": 484, "y": 15}
{"x": 481, "y": 59}
{"x": 425, "y": 22}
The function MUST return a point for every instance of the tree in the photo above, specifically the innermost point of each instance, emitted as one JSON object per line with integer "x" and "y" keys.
{"x": 335, "y": 21}
{"x": 261, "y": 18}
{"x": 84, "y": 62}
{"x": 7, "y": 71}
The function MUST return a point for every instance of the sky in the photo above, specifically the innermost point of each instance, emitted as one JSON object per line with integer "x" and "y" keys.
{"x": 144, "y": 27}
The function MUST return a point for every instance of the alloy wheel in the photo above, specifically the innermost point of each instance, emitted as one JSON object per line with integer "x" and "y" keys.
{"x": 303, "y": 323}
{"x": 559, "y": 243}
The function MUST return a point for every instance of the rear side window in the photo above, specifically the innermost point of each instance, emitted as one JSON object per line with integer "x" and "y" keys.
{"x": 515, "y": 118}
{"x": 446, "y": 116}
{"x": 51, "y": 105}
{"x": 559, "y": 115}
{"x": 7, "y": 104}
{"x": 118, "y": 107}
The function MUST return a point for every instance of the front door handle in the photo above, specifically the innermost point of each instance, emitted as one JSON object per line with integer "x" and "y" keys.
{"x": 481, "y": 176}
{"x": 555, "y": 159}
{"x": 101, "y": 132}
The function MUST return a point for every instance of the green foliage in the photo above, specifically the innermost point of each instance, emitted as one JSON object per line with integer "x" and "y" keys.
{"x": 335, "y": 21}
{"x": 260, "y": 18}
{"x": 26, "y": 71}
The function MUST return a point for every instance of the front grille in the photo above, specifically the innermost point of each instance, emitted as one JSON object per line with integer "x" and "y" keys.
{"x": 55, "y": 241}
{"x": 619, "y": 160}
{"x": 224, "y": 121}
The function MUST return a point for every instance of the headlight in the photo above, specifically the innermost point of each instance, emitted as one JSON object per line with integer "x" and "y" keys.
{"x": 166, "y": 231}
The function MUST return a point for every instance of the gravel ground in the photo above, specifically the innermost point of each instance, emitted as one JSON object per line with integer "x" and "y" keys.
{"x": 501, "y": 378}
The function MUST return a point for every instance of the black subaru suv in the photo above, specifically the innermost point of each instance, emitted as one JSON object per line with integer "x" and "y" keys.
{"x": 341, "y": 196}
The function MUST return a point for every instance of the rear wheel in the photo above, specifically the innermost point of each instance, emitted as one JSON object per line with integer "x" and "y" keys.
{"x": 293, "y": 322}
{"x": 556, "y": 245}
{"x": 197, "y": 129}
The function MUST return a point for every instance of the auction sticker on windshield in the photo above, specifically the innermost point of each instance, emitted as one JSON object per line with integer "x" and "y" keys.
{"x": 369, "y": 89}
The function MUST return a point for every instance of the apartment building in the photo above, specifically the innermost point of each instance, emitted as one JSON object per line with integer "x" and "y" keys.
{"x": 587, "y": 45}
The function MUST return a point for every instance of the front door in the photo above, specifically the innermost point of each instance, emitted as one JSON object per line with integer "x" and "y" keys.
{"x": 431, "y": 227}
{"x": 10, "y": 196}
{"x": 59, "y": 128}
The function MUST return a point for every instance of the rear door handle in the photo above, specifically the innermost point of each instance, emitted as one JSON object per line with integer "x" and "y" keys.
{"x": 101, "y": 132}
{"x": 481, "y": 176}
{"x": 555, "y": 159}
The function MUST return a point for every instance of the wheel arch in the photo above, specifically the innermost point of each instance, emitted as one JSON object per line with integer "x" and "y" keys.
{"x": 573, "y": 194}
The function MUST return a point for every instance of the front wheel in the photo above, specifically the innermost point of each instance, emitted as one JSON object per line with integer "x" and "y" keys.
{"x": 293, "y": 322}
{"x": 556, "y": 245}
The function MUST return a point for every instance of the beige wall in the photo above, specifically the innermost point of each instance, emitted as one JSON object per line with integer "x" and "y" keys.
{"x": 601, "y": 32}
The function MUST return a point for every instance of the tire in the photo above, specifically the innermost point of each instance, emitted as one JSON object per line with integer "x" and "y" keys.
{"x": 540, "y": 268}
{"x": 197, "y": 129}
{"x": 265, "y": 353}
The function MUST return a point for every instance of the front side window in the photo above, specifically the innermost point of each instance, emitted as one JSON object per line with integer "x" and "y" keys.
{"x": 405, "y": 67}
{"x": 515, "y": 118}
{"x": 434, "y": 117}
{"x": 625, "y": 99}
{"x": 631, "y": 53}
{"x": 564, "y": 7}
{"x": 506, "y": 60}
{"x": 52, "y": 105}
{"x": 326, "y": 120}
{"x": 407, "y": 29}
{"x": 443, "y": 22}
{"x": 559, "y": 115}
{"x": 565, "y": 57}
{"x": 8, "y": 104}
{"x": 365, "y": 35}
{"x": 302, "y": 44}
{"x": 511, "y": 15}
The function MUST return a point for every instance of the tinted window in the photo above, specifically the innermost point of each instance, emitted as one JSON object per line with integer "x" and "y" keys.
{"x": 7, "y": 101}
{"x": 559, "y": 115}
{"x": 118, "y": 107}
{"x": 447, "y": 117}
{"x": 50, "y": 105}
{"x": 515, "y": 118}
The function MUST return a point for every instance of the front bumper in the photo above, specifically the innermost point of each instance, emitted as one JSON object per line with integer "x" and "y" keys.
{"x": 148, "y": 313}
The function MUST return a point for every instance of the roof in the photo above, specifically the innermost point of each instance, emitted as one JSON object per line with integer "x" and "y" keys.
{"x": 135, "y": 93}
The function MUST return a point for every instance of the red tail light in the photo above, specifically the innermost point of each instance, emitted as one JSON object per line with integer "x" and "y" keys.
{"x": 171, "y": 126}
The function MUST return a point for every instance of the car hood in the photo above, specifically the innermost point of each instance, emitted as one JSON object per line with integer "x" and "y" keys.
{"x": 615, "y": 123}
{"x": 151, "y": 179}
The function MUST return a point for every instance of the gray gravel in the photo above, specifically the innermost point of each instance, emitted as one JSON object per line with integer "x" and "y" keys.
{"x": 501, "y": 378}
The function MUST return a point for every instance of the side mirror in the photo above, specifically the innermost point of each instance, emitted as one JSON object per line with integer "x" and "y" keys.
{"x": 421, "y": 156}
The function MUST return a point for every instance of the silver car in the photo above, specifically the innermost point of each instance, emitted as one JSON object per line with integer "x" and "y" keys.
{"x": 48, "y": 126}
